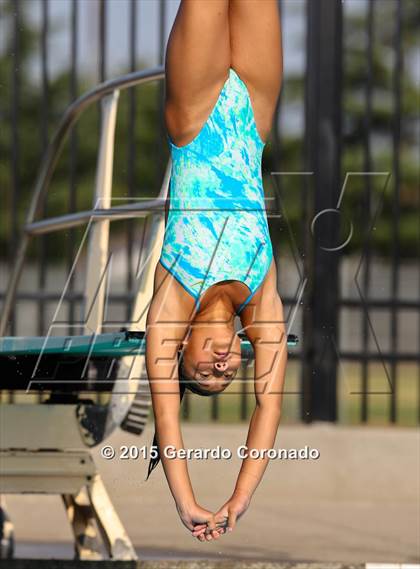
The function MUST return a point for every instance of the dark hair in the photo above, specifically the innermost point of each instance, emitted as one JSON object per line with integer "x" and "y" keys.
{"x": 184, "y": 383}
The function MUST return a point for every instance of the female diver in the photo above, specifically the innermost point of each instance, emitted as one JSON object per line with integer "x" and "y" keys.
{"x": 223, "y": 78}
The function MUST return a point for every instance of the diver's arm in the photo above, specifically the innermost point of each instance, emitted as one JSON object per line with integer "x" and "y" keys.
{"x": 270, "y": 350}
{"x": 164, "y": 338}
{"x": 161, "y": 361}
{"x": 266, "y": 330}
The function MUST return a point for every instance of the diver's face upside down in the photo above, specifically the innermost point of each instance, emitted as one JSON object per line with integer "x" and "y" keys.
{"x": 212, "y": 356}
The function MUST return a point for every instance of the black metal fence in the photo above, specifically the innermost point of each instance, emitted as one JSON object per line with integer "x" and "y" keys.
{"x": 346, "y": 181}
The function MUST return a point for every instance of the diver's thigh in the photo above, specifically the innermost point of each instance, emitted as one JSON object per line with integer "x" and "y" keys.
{"x": 197, "y": 64}
{"x": 198, "y": 50}
{"x": 256, "y": 54}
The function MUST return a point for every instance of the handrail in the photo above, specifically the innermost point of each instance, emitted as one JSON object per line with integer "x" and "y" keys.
{"x": 70, "y": 220}
{"x": 49, "y": 162}
{"x": 72, "y": 113}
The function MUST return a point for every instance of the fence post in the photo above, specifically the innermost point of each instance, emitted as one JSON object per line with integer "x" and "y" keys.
{"x": 322, "y": 156}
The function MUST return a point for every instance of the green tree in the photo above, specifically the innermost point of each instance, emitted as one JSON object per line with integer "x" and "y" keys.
{"x": 147, "y": 136}
{"x": 150, "y": 145}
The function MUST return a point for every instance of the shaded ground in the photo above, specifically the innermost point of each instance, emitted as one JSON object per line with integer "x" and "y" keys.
{"x": 359, "y": 502}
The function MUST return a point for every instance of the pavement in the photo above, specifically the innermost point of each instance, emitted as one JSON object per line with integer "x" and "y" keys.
{"x": 358, "y": 502}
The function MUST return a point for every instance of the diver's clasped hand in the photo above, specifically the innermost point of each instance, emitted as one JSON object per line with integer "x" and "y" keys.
{"x": 206, "y": 526}
{"x": 199, "y": 521}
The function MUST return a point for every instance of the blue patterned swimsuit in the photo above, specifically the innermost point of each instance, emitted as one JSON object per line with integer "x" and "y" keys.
{"x": 217, "y": 224}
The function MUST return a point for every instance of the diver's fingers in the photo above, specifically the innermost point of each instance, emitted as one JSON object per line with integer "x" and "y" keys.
{"x": 199, "y": 527}
{"x": 196, "y": 532}
{"x": 222, "y": 523}
{"x": 215, "y": 534}
{"x": 211, "y": 524}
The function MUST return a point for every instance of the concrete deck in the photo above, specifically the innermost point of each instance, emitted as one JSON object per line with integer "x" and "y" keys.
{"x": 66, "y": 564}
{"x": 359, "y": 502}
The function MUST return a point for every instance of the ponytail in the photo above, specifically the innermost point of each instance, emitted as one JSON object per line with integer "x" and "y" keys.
{"x": 184, "y": 383}
{"x": 155, "y": 461}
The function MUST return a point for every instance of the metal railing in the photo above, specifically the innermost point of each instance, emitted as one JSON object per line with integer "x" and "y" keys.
{"x": 331, "y": 131}
{"x": 32, "y": 227}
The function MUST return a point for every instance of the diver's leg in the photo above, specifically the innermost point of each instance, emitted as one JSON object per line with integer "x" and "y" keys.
{"x": 197, "y": 64}
{"x": 256, "y": 54}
